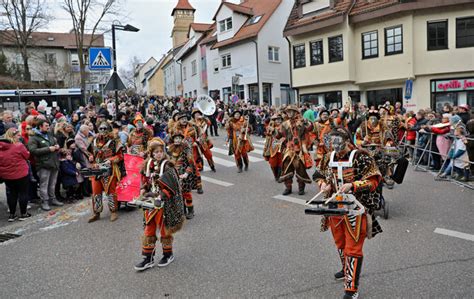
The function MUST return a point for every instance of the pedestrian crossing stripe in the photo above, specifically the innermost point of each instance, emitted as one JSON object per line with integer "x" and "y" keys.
{"x": 100, "y": 60}
{"x": 225, "y": 152}
{"x": 223, "y": 162}
{"x": 290, "y": 199}
{"x": 217, "y": 182}
{"x": 260, "y": 141}
{"x": 258, "y": 145}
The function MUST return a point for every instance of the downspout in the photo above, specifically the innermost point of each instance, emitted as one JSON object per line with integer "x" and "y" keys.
{"x": 181, "y": 72}
{"x": 258, "y": 73}
{"x": 291, "y": 70}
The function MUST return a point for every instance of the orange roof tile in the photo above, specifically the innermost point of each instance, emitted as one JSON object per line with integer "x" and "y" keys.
{"x": 183, "y": 5}
{"x": 200, "y": 27}
{"x": 53, "y": 39}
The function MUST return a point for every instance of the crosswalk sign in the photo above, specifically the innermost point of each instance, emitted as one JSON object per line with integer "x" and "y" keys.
{"x": 100, "y": 59}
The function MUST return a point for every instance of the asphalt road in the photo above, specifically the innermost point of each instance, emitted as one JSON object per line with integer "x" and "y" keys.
{"x": 244, "y": 242}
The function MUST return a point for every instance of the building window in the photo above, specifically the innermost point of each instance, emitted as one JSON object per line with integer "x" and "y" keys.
{"x": 50, "y": 58}
{"x": 216, "y": 65}
{"x": 393, "y": 40}
{"x": 336, "y": 49}
{"x": 370, "y": 45}
{"x": 193, "y": 67}
{"x": 299, "y": 56}
{"x": 437, "y": 35}
{"x": 184, "y": 73}
{"x": 316, "y": 49}
{"x": 274, "y": 54}
{"x": 254, "y": 20}
{"x": 225, "y": 25}
{"x": 465, "y": 32}
{"x": 226, "y": 61}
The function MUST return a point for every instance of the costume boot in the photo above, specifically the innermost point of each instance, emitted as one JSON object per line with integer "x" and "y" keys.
{"x": 94, "y": 217}
{"x": 113, "y": 216}
{"x": 212, "y": 165}
{"x": 246, "y": 162}
{"x": 147, "y": 263}
{"x": 352, "y": 269}
{"x": 288, "y": 185}
{"x": 301, "y": 186}
{"x": 190, "y": 213}
{"x": 340, "y": 275}
{"x": 239, "y": 165}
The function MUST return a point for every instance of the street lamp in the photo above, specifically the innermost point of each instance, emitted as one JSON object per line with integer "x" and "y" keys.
{"x": 127, "y": 27}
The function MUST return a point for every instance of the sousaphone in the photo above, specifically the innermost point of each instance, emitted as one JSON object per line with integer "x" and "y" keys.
{"x": 206, "y": 105}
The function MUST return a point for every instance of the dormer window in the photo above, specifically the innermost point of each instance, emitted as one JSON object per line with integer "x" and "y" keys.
{"x": 50, "y": 39}
{"x": 225, "y": 25}
{"x": 315, "y": 6}
{"x": 254, "y": 20}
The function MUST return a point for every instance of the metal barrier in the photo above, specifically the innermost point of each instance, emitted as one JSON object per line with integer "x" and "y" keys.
{"x": 421, "y": 150}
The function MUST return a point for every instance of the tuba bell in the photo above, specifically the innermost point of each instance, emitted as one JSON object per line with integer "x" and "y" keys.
{"x": 206, "y": 105}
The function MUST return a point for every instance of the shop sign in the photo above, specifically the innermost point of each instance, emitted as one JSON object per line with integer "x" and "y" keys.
{"x": 453, "y": 85}
{"x": 408, "y": 89}
{"x": 35, "y": 92}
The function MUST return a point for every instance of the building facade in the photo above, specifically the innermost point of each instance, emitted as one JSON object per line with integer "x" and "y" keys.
{"x": 367, "y": 50}
{"x": 142, "y": 73}
{"x": 53, "y": 58}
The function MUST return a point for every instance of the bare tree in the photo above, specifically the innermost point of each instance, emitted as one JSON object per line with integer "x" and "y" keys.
{"x": 128, "y": 73}
{"x": 89, "y": 17}
{"x": 24, "y": 17}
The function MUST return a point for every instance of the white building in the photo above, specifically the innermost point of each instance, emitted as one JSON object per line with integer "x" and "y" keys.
{"x": 172, "y": 75}
{"x": 141, "y": 72}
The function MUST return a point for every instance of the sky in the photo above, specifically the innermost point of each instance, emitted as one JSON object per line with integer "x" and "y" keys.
{"x": 152, "y": 17}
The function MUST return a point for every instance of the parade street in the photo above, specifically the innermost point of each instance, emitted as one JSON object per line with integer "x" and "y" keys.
{"x": 247, "y": 240}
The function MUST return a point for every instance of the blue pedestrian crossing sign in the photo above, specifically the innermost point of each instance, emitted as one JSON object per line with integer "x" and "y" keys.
{"x": 100, "y": 59}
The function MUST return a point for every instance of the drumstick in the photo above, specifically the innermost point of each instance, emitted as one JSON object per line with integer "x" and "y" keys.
{"x": 316, "y": 196}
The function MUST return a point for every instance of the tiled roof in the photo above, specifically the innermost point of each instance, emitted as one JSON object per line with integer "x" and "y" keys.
{"x": 240, "y": 8}
{"x": 211, "y": 35}
{"x": 340, "y": 8}
{"x": 183, "y": 5}
{"x": 200, "y": 27}
{"x": 364, "y": 6}
{"x": 52, "y": 40}
{"x": 264, "y": 8}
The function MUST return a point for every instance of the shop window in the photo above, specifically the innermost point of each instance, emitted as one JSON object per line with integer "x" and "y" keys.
{"x": 377, "y": 98}
{"x": 226, "y": 93}
{"x": 336, "y": 52}
{"x": 465, "y": 32}
{"x": 355, "y": 96}
{"x": 299, "y": 56}
{"x": 316, "y": 49}
{"x": 312, "y": 98}
{"x": 370, "y": 45}
{"x": 333, "y": 99}
{"x": 470, "y": 99}
{"x": 440, "y": 99}
{"x": 286, "y": 94}
{"x": 437, "y": 35}
{"x": 393, "y": 40}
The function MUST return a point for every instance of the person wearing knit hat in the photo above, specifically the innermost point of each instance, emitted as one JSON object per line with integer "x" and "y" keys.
{"x": 138, "y": 138}
{"x": 161, "y": 185}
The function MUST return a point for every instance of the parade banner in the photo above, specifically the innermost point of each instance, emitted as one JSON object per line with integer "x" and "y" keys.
{"x": 129, "y": 187}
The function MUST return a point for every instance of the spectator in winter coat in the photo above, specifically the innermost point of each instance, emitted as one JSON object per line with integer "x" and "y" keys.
{"x": 68, "y": 174}
{"x": 458, "y": 159}
{"x": 14, "y": 172}
{"x": 463, "y": 112}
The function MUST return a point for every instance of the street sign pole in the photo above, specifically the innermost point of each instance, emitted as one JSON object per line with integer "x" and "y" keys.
{"x": 114, "y": 53}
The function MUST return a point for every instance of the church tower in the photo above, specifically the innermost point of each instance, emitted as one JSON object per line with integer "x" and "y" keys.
{"x": 183, "y": 15}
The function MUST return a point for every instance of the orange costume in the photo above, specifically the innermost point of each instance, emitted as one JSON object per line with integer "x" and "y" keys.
{"x": 204, "y": 144}
{"x": 272, "y": 151}
{"x": 240, "y": 144}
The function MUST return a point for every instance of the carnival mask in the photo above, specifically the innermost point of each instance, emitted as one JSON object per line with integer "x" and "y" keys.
{"x": 237, "y": 116}
{"x": 337, "y": 143}
{"x": 177, "y": 140}
{"x": 103, "y": 129}
{"x": 291, "y": 113}
{"x": 373, "y": 120}
{"x": 324, "y": 117}
{"x": 158, "y": 154}
{"x": 139, "y": 125}
{"x": 183, "y": 121}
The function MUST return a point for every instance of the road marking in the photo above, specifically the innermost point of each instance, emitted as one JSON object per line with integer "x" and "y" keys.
{"x": 226, "y": 152}
{"x": 260, "y": 141}
{"x": 257, "y": 151}
{"x": 217, "y": 182}
{"x": 223, "y": 162}
{"x": 453, "y": 233}
{"x": 258, "y": 145}
{"x": 291, "y": 199}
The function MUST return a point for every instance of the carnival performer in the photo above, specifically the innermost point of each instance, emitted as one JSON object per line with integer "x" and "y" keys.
{"x": 348, "y": 169}
{"x": 204, "y": 143}
{"x": 138, "y": 137}
{"x": 321, "y": 127}
{"x": 160, "y": 182}
{"x": 239, "y": 137}
{"x": 107, "y": 152}
{"x": 272, "y": 151}
{"x": 374, "y": 136}
{"x": 191, "y": 134}
{"x": 390, "y": 122}
{"x": 182, "y": 157}
{"x": 296, "y": 158}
